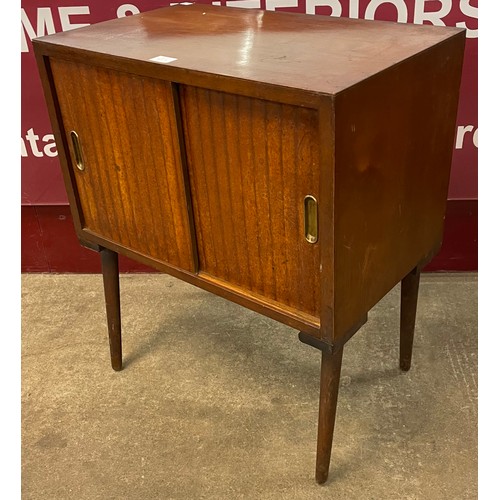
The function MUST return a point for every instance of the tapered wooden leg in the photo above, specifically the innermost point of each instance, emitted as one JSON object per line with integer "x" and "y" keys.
{"x": 331, "y": 365}
{"x": 109, "y": 263}
{"x": 409, "y": 296}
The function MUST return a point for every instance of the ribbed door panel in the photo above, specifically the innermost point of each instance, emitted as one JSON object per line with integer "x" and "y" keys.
{"x": 251, "y": 163}
{"x": 132, "y": 190}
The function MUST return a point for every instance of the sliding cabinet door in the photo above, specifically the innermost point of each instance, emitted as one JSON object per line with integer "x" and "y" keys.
{"x": 121, "y": 132}
{"x": 252, "y": 164}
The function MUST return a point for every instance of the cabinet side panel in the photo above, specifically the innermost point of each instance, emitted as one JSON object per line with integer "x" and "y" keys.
{"x": 131, "y": 191}
{"x": 394, "y": 144}
{"x": 251, "y": 163}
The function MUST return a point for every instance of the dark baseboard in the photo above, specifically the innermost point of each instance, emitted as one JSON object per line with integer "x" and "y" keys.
{"x": 49, "y": 243}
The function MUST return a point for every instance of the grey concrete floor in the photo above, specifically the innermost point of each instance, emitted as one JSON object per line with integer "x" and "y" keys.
{"x": 219, "y": 402}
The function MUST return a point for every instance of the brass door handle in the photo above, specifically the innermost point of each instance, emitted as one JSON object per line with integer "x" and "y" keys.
{"x": 77, "y": 150}
{"x": 311, "y": 218}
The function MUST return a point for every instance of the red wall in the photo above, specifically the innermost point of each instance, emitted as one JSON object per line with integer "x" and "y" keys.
{"x": 41, "y": 181}
{"x": 49, "y": 242}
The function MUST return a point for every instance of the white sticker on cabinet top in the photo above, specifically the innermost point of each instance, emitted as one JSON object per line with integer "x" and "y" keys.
{"x": 163, "y": 59}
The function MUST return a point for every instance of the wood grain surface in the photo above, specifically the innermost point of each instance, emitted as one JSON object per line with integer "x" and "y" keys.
{"x": 132, "y": 188}
{"x": 313, "y": 53}
{"x": 393, "y": 149}
{"x": 251, "y": 164}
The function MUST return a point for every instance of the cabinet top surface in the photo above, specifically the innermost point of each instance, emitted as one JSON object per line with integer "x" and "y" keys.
{"x": 313, "y": 53}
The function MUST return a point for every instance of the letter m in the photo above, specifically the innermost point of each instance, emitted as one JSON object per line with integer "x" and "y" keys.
{"x": 44, "y": 26}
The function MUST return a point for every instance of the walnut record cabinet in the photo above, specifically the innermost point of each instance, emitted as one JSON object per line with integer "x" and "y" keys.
{"x": 297, "y": 165}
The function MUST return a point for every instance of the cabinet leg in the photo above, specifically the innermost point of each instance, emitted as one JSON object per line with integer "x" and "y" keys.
{"x": 409, "y": 296}
{"x": 331, "y": 365}
{"x": 109, "y": 263}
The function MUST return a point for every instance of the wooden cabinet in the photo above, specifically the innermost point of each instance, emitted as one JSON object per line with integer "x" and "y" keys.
{"x": 297, "y": 165}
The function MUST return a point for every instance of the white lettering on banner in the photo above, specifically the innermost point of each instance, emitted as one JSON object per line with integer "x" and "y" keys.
{"x": 469, "y": 11}
{"x": 464, "y": 130}
{"x": 354, "y": 9}
{"x": 434, "y": 16}
{"x": 126, "y": 9}
{"x": 272, "y": 4}
{"x": 45, "y": 22}
{"x": 244, "y": 4}
{"x": 31, "y": 144}
{"x": 50, "y": 148}
{"x": 420, "y": 14}
{"x": 44, "y": 26}
{"x": 32, "y": 140}
{"x": 65, "y": 12}
{"x": 333, "y": 4}
{"x": 399, "y": 4}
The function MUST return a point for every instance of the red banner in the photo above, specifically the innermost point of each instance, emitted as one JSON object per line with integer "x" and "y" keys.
{"x": 41, "y": 181}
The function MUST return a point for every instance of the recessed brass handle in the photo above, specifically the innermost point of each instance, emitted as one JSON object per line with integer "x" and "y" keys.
{"x": 77, "y": 150}
{"x": 311, "y": 218}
